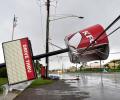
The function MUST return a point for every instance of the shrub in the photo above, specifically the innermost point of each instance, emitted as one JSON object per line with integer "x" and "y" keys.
{"x": 3, "y": 72}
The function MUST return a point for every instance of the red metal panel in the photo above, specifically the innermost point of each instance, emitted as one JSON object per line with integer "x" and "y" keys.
{"x": 27, "y": 58}
{"x": 90, "y": 34}
{"x": 79, "y": 41}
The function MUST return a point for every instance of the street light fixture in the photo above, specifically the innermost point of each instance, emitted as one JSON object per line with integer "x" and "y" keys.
{"x": 80, "y": 17}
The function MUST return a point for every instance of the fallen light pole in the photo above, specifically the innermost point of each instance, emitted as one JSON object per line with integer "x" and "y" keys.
{"x": 50, "y": 54}
{"x": 43, "y": 55}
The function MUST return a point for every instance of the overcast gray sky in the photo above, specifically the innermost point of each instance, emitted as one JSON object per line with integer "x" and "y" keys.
{"x": 32, "y": 16}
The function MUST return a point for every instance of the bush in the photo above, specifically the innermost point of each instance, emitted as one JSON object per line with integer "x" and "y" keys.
{"x": 118, "y": 67}
{"x": 92, "y": 70}
{"x": 3, "y": 72}
{"x": 3, "y": 81}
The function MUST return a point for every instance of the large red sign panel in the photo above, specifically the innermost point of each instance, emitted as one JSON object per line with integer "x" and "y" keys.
{"x": 78, "y": 42}
{"x": 18, "y": 58}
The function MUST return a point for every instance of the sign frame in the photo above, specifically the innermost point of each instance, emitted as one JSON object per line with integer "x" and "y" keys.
{"x": 31, "y": 58}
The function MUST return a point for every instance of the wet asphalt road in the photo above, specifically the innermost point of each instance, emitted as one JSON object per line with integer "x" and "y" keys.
{"x": 91, "y": 86}
{"x": 99, "y": 86}
{"x": 59, "y": 90}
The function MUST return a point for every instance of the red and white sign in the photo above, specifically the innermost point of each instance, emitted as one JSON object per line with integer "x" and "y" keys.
{"x": 78, "y": 42}
{"x": 27, "y": 58}
{"x": 18, "y": 58}
{"x": 90, "y": 34}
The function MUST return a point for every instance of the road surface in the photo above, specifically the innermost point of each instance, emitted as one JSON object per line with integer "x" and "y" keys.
{"x": 91, "y": 86}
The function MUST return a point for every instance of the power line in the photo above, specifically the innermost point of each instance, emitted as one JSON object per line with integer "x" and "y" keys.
{"x": 54, "y": 50}
{"x": 55, "y": 45}
{"x": 41, "y": 18}
{"x": 52, "y": 26}
{"x": 112, "y": 32}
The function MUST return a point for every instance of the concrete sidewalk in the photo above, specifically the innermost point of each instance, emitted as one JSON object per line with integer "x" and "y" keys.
{"x": 59, "y": 90}
{"x": 10, "y": 96}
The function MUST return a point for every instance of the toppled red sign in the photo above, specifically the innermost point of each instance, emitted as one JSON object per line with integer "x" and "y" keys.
{"x": 18, "y": 58}
{"x": 78, "y": 42}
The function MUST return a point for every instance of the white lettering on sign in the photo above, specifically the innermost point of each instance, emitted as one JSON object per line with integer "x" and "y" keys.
{"x": 27, "y": 60}
{"x": 25, "y": 51}
{"x": 89, "y": 36}
{"x": 28, "y": 66}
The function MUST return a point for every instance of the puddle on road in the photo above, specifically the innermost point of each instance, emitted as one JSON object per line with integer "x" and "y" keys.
{"x": 71, "y": 82}
{"x": 93, "y": 80}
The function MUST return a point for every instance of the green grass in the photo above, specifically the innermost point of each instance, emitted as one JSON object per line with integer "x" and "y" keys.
{"x": 39, "y": 82}
{"x": 3, "y": 81}
{"x": 1, "y": 90}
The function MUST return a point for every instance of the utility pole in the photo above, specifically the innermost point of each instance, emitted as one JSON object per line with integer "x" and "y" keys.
{"x": 14, "y": 25}
{"x": 47, "y": 36}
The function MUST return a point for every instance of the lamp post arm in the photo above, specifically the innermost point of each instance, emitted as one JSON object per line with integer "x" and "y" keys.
{"x": 67, "y": 17}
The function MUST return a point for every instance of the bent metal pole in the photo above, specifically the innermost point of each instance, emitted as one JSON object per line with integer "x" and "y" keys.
{"x": 43, "y": 55}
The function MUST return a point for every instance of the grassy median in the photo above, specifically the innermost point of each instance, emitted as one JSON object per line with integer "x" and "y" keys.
{"x": 2, "y": 81}
{"x": 39, "y": 82}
